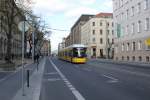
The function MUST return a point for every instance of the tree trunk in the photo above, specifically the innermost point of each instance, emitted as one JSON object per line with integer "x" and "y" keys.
{"x": 9, "y": 47}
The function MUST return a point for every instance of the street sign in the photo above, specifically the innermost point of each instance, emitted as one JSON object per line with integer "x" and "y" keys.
{"x": 147, "y": 41}
{"x": 23, "y": 26}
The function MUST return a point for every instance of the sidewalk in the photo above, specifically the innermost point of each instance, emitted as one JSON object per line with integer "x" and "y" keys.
{"x": 14, "y": 66}
{"x": 33, "y": 92}
{"x": 134, "y": 64}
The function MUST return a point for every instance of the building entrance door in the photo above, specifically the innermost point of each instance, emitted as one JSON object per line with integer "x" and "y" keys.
{"x": 101, "y": 53}
{"x": 94, "y": 53}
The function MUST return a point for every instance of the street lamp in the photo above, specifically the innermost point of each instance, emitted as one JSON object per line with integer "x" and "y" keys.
{"x": 23, "y": 26}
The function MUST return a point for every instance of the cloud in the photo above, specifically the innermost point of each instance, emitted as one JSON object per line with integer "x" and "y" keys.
{"x": 107, "y": 5}
{"x": 56, "y": 38}
{"x": 81, "y": 10}
{"x": 49, "y": 7}
{"x": 87, "y": 2}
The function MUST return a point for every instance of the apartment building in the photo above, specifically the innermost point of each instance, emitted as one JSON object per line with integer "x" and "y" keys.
{"x": 97, "y": 34}
{"x": 46, "y": 48}
{"x": 76, "y": 29}
{"x": 68, "y": 41}
{"x": 132, "y": 30}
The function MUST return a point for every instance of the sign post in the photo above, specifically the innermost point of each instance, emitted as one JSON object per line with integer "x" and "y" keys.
{"x": 23, "y": 27}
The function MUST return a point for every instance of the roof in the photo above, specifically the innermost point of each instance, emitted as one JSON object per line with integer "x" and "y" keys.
{"x": 104, "y": 15}
{"x": 83, "y": 17}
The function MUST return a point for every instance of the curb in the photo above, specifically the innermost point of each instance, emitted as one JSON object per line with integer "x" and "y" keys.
{"x": 138, "y": 65}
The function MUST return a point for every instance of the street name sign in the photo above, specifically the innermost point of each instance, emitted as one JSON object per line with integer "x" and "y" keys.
{"x": 23, "y": 26}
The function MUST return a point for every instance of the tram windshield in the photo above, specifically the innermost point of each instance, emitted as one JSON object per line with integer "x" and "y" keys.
{"x": 79, "y": 52}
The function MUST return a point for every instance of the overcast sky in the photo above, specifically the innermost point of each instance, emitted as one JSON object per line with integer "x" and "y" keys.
{"x": 62, "y": 14}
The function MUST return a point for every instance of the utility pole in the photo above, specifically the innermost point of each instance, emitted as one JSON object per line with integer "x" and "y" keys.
{"x": 106, "y": 30}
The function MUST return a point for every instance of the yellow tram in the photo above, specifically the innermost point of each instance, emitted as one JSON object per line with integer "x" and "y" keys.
{"x": 75, "y": 53}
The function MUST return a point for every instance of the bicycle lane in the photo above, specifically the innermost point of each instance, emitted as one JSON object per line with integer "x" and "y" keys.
{"x": 53, "y": 86}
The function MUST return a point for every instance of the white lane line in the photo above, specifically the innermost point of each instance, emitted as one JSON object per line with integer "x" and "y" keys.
{"x": 53, "y": 79}
{"x": 51, "y": 73}
{"x": 112, "y": 79}
{"x": 69, "y": 85}
{"x": 76, "y": 66}
{"x": 87, "y": 69}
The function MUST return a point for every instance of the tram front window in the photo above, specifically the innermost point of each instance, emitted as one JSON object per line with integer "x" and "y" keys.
{"x": 79, "y": 52}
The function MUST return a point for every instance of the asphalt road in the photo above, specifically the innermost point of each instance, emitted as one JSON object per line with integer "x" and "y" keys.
{"x": 94, "y": 80}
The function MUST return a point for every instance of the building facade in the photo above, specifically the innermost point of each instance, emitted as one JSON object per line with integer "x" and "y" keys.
{"x": 15, "y": 33}
{"x": 132, "y": 30}
{"x": 76, "y": 29}
{"x": 97, "y": 34}
{"x": 68, "y": 41}
{"x": 46, "y": 48}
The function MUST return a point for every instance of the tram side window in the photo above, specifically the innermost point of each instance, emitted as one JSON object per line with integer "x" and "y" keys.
{"x": 70, "y": 53}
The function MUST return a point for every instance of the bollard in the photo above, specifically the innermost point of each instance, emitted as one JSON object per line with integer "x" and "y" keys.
{"x": 28, "y": 76}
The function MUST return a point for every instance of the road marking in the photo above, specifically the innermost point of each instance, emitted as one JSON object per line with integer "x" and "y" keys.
{"x": 51, "y": 73}
{"x": 53, "y": 79}
{"x": 76, "y": 66}
{"x": 112, "y": 79}
{"x": 87, "y": 69}
{"x": 126, "y": 71}
{"x": 69, "y": 85}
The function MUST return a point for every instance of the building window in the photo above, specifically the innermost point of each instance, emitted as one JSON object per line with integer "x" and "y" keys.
{"x": 146, "y": 4}
{"x": 132, "y": 11}
{"x": 107, "y": 32}
{"x": 112, "y": 24}
{"x": 101, "y": 41}
{"x": 101, "y": 53}
{"x": 101, "y": 32}
{"x": 133, "y": 46}
{"x": 132, "y": 30}
{"x": 139, "y": 8}
{"x": 127, "y": 29}
{"x": 108, "y": 24}
{"x": 127, "y": 14}
{"x": 122, "y": 57}
{"x": 108, "y": 40}
{"x": 112, "y": 32}
{"x": 112, "y": 41}
{"x": 139, "y": 26}
{"x": 116, "y": 58}
{"x": 128, "y": 46}
{"x": 93, "y": 40}
{"x": 121, "y": 2}
{"x": 147, "y": 21}
{"x": 139, "y": 45}
{"x": 101, "y": 24}
{"x": 147, "y": 58}
{"x": 140, "y": 58}
{"x": 122, "y": 48}
{"x": 128, "y": 58}
{"x": 93, "y": 23}
{"x": 93, "y": 32}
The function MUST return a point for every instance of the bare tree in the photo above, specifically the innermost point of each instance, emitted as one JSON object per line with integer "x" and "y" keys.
{"x": 13, "y": 12}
